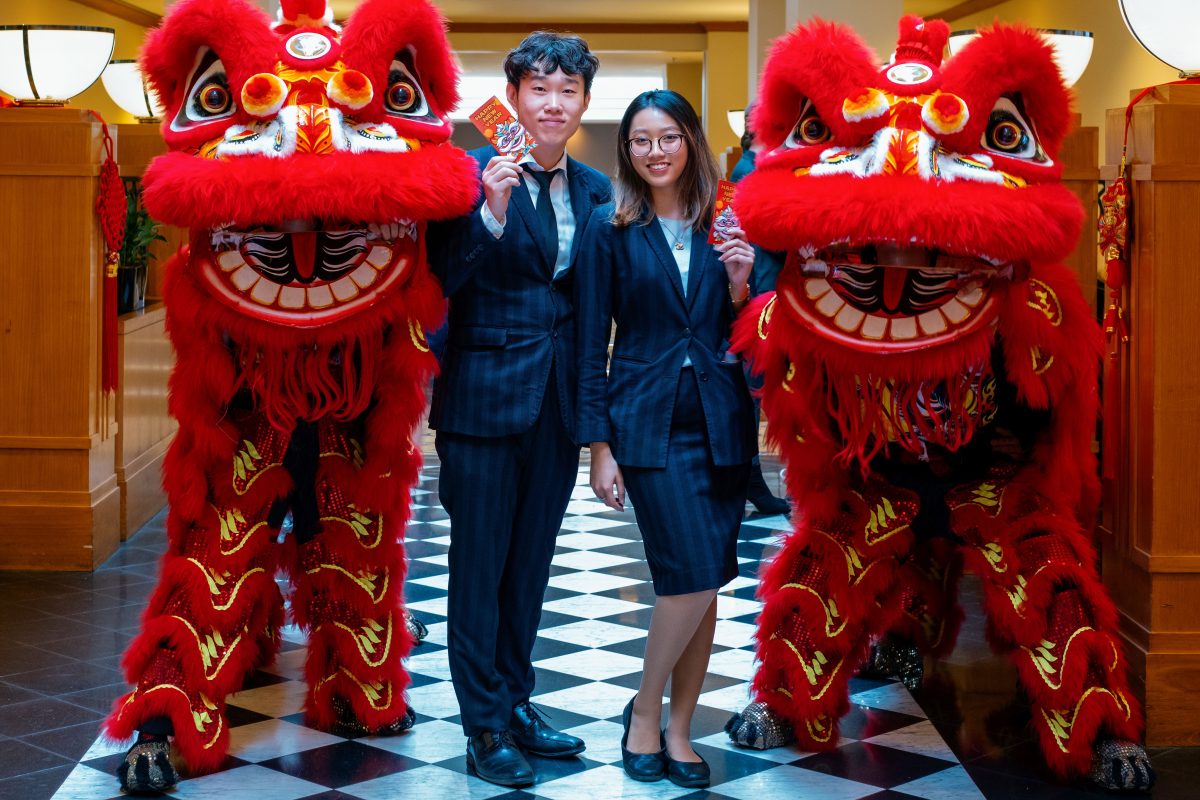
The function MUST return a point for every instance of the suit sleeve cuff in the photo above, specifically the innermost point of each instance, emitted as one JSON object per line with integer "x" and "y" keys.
{"x": 494, "y": 227}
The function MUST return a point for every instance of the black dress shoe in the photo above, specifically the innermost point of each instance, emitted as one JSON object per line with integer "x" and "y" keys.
{"x": 495, "y": 757}
{"x": 688, "y": 774}
{"x": 645, "y": 767}
{"x": 535, "y": 736}
{"x": 759, "y": 494}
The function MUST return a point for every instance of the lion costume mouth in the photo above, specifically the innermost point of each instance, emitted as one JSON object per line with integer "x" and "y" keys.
{"x": 882, "y": 297}
{"x": 308, "y": 272}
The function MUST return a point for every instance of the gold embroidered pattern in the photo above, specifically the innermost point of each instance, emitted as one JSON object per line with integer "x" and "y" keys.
{"x": 367, "y": 581}
{"x": 247, "y": 467}
{"x": 417, "y": 335}
{"x": 210, "y": 649}
{"x": 217, "y": 582}
{"x": 1042, "y": 298}
{"x": 832, "y": 628}
{"x": 1016, "y": 595}
{"x": 994, "y": 555}
{"x": 1060, "y": 725}
{"x": 369, "y": 531}
{"x": 820, "y": 729}
{"x": 233, "y": 529}
{"x": 764, "y": 317}
{"x": 368, "y": 641}
{"x": 787, "y": 379}
{"x": 1041, "y": 364}
{"x": 816, "y": 669}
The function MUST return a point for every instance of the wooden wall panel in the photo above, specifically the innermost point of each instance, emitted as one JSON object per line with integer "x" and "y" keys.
{"x": 59, "y": 503}
{"x": 1150, "y": 539}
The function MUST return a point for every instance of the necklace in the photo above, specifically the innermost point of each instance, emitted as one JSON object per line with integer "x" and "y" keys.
{"x": 676, "y": 236}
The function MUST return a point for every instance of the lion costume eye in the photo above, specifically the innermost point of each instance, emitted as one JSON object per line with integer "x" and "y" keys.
{"x": 404, "y": 95}
{"x": 208, "y": 96}
{"x": 213, "y": 99}
{"x": 810, "y": 129}
{"x": 1009, "y": 134}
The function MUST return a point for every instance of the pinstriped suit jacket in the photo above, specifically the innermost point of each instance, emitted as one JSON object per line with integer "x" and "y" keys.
{"x": 511, "y": 321}
{"x": 629, "y": 275}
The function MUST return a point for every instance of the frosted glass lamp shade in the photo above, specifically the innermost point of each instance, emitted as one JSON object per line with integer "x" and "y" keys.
{"x": 1168, "y": 29}
{"x": 1072, "y": 49}
{"x": 737, "y": 120}
{"x": 125, "y": 85}
{"x": 50, "y": 64}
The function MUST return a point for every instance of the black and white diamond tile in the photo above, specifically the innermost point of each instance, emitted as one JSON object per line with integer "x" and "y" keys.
{"x": 587, "y": 657}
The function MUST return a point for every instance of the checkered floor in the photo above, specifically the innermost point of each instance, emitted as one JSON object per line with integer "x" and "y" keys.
{"x": 588, "y": 654}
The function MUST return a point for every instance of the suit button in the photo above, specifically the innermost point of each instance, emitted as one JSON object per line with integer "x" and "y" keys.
{"x": 554, "y": 335}
{"x": 704, "y": 376}
{"x": 687, "y": 331}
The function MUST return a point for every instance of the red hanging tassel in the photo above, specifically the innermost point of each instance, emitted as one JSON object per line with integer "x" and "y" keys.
{"x": 111, "y": 209}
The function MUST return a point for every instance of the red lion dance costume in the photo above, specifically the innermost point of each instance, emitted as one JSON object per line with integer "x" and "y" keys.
{"x": 930, "y": 377}
{"x": 307, "y": 162}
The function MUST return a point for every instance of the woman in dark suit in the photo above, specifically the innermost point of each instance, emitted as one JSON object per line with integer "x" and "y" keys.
{"x": 671, "y": 420}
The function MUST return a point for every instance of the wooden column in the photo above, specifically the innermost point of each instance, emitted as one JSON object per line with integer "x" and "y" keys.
{"x": 59, "y": 503}
{"x": 144, "y": 428}
{"x": 1080, "y": 158}
{"x": 1151, "y": 520}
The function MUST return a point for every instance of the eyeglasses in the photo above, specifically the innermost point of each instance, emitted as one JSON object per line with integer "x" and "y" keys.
{"x": 641, "y": 146}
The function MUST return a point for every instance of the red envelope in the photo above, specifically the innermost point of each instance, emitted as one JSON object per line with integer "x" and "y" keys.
{"x": 500, "y": 128}
{"x": 723, "y": 216}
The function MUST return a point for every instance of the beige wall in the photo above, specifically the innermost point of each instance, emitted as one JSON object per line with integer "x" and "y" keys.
{"x": 1118, "y": 65}
{"x": 687, "y": 78}
{"x": 725, "y": 67}
{"x": 65, "y": 12}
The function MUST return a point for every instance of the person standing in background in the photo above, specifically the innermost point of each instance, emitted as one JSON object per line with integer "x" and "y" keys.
{"x": 767, "y": 265}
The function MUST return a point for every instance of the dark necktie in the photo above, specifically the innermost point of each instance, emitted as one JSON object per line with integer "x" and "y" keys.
{"x": 545, "y": 212}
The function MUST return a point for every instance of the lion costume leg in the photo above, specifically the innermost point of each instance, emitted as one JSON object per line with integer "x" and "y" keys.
{"x": 822, "y": 605}
{"x": 215, "y": 613}
{"x": 1048, "y": 611}
{"x": 349, "y": 584}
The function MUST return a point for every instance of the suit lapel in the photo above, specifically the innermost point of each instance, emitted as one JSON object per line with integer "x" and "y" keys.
{"x": 662, "y": 251}
{"x": 525, "y": 210}
{"x": 581, "y": 204}
{"x": 697, "y": 266}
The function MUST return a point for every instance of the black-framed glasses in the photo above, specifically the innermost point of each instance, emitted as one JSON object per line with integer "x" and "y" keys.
{"x": 641, "y": 146}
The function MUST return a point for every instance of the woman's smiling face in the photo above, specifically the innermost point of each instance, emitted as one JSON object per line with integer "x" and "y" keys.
{"x": 658, "y": 169}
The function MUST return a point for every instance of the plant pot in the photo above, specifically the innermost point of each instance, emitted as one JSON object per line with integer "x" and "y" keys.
{"x": 131, "y": 288}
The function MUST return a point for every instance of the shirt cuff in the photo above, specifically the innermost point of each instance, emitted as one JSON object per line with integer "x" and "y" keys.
{"x": 494, "y": 227}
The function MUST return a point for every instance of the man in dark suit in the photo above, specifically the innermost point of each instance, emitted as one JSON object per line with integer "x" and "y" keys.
{"x": 504, "y": 404}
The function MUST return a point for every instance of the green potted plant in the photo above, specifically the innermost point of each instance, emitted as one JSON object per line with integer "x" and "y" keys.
{"x": 140, "y": 232}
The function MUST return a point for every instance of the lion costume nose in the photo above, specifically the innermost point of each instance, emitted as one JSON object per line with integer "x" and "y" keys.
{"x": 263, "y": 95}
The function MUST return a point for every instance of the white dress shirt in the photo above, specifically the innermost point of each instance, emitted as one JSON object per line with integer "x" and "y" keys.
{"x": 560, "y": 198}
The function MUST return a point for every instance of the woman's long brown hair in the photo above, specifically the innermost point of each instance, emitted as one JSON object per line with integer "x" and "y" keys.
{"x": 697, "y": 184}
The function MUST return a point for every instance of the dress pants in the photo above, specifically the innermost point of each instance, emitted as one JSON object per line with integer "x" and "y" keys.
{"x": 506, "y": 496}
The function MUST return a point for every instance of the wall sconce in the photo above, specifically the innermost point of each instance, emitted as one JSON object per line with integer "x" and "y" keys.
{"x": 1167, "y": 30}
{"x": 47, "y": 65}
{"x": 737, "y": 120}
{"x": 1072, "y": 49}
{"x": 127, "y": 87}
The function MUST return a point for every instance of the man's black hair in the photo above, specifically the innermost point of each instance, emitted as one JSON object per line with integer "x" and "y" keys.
{"x": 547, "y": 51}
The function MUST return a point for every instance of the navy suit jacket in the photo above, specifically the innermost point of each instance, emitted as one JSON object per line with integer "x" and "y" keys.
{"x": 629, "y": 275}
{"x": 511, "y": 321}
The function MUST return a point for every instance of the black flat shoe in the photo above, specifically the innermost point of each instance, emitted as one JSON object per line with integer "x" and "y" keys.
{"x": 532, "y": 733}
{"x": 688, "y": 774}
{"x": 645, "y": 767}
{"x": 495, "y": 757}
{"x": 759, "y": 495}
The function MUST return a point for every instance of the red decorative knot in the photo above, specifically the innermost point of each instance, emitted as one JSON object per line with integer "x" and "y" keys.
{"x": 299, "y": 12}
{"x": 921, "y": 41}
